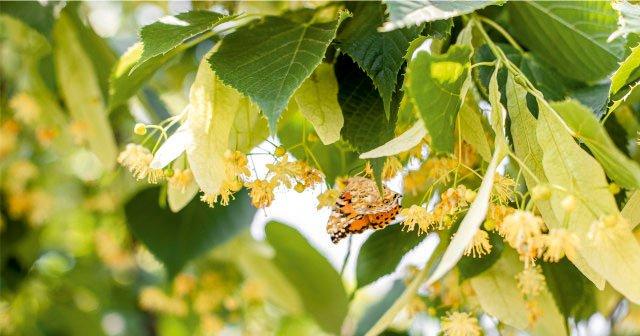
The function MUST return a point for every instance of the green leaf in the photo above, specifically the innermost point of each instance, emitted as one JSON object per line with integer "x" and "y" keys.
{"x": 379, "y": 54}
{"x": 176, "y": 238}
{"x": 404, "y": 13}
{"x": 32, "y": 13}
{"x": 588, "y": 129}
{"x": 499, "y": 296}
{"x": 382, "y": 251}
{"x": 317, "y": 282}
{"x": 530, "y": 152}
{"x": 627, "y": 73}
{"x": 297, "y": 326}
{"x": 617, "y": 256}
{"x": 434, "y": 83}
{"x": 572, "y": 292}
{"x": 170, "y": 32}
{"x": 365, "y": 124}
{"x": 472, "y": 130}
{"x": 402, "y": 143}
{"x": 471, "y": 221}
{"x": 213, "y": 108}
{"x": 376, "y": 310}
{"x": 317, "y": 100}
{"x": 81, "y": 91}
{"x": 470, "y": 266}
{"x": 631, "y": 210}
{"x": 270, "y": 58}
{"x": 571, "y": 35}
{"x": 595, "y": 97}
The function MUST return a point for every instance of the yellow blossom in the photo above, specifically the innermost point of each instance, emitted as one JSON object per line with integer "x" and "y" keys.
{"x": 533, "y": 311}
{"x": 283, "y": 171}
{"x": 452, "y": 201}
{"x": 307, "y": 174}
{"x": 20, "y": 172}
{"x": 181, "y": 179}
{"x": 392, "y": 166}
{"x": 416, "y": 215}
{"x": 45, "y": 135}
{"x": 137, "y": 158}
{"x": 328, "y": 198}
{"x": 253, "y": 291}
{"x": 531, "y": 281}
{"x": 26, "y": 108}
{"x": 439, "y": 168}
{"x": 154, "y": 299}
{"x": 79, "y": 131}
{"x": 261, "y": 193}
{"x": 9, "y": 134}
{"x": 415, "y": 306}
{"x": 211, "y": 324}
{"x": 368, "y": 170}
{"x": 503, "y": 188}
{"x": 236, "y": 164}
{"x": 496, "y": 215}
{"x": 479, "y": 246}
{"x": 520, "y": 227}
{"x": 460, "y": 324}
{"x": 184, "y": 284}
{"x": 414, "y": 182}
{"x": 466, "y": 154}
{"x": 226, "y": 192}
{"x": 558, "y": 243}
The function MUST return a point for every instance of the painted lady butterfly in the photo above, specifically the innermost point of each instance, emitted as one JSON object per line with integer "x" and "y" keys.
{"x": 360, "y": 207}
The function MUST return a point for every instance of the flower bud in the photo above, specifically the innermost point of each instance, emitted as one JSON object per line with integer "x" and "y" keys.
{"x": 140, "y": 129}
{"x": 569, "y": 203}
{"x": 614, "y": 188}
{"x": 469, "y": 195}
{"x": 299, "y": 187}
{"x": 540, "y": 192}
{"x": 280, "y": 151}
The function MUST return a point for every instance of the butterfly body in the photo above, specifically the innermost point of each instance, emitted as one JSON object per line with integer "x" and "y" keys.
{"x": 360, "y": 206}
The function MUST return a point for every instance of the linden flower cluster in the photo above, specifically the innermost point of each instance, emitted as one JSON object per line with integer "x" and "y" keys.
{"x": 452, "y": 202}
{"x": 460, "y": 324}
{"x": 235, "y": 168}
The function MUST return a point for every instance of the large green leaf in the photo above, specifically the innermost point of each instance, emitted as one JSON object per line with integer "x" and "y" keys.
{"x": 176, "y": 238}
{"x": 588, "y": 129}
{"x": 81, "y": 91}
{"x": 317, "y": 100}
{"x": 529, "y": 151}
{"x": 403, "y": 13}
{"x": 627, "y": 73}
{"x": 270, "y": 58}
{"x": 380, "y": 54}
{"x": 169, "y": 32}
{"x": 402, "y": 143}
{"x": 382, "y": 251}
{"x": 365, "y": 124}
{"x": 614, "y": 256}
{"x": 571, "y": 35}
{"x": 434, "y": 83}
{"x": 572, "y": 292}
{"x": 317, "y": 282}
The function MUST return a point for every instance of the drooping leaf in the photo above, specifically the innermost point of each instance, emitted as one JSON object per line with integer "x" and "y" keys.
{"x": 317, "y": 100}
{"x": 588, "y": 129}
{"x": 365, "y": 124}
{"x": 434, "y": 83}
{"x": 379, "y": 54}
{"x": 470, "y": 266}
{"x": 616, "y": 256}
{"x": 571, "y": 291}
{"x": 471, "y": 221}
{"x": 557, "y": 32}
{"x": 268, "y": 59}
{"x": 404, "y": 13}
{"x": 381, "y": 253}
{"x": 169, "y": 32}
{"x": 631, "y": 210}
{"x": 176, "y": 238}
{"x": 213, "y": 108}
{"x": 376, "y": 310}
{"x": 80, "y": 89}
{"x": 499, "y": 296}
{"x": 498, "y": 112}
{"x": 317, "y": 282}
{"x": 472, "y": 130}
{"x": 529, "y": 151}
{"x": 402, "y": 143}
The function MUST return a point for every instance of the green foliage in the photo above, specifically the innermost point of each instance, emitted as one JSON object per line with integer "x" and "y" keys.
{"x": 469, "y": 266}
{"x": 556, "y": 32}
{"x": 572, "y": 292}
{"x": 381, "y": 253}
{"x": 379, "y": 54}
{"x": 376, "y": 310}
{"x": 318, "y": 284}
{"x": 270, "y": 58}
{"x": 434, "y": 85}
{"x": 176, "y": 238}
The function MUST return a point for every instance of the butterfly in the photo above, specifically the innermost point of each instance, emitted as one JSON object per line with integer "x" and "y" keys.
{"x": 360, "y": 206}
